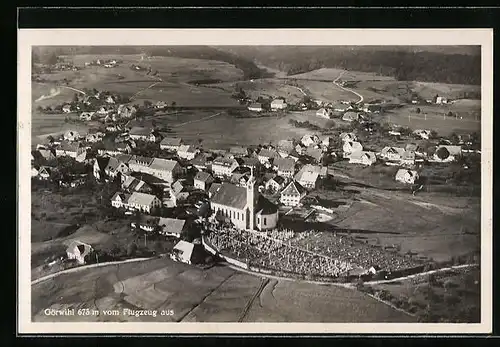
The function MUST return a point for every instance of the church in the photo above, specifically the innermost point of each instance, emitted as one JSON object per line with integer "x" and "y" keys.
{"x": 244, "y": 206}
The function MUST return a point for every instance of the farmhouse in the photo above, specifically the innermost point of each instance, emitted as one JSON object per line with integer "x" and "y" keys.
{"x": 94, "y": 137}
{"x": 326, "y": 142}
{"x": 136, "y": 201}
{"x": 203, "y": 180}
{"x": 363, "y": 158}
{"x": 109, "y": 148}
{"x": 140, "y": 133}
{"x": 267, "y": 155}
{"x": 315, "y": 153}
{"x": 252, "y": 163}
{"x": 47, "y": 154}
{"x": 66, "y": 149}
{"x": 244, "y": 207}
{"x": 164, "y": 169}
{"x": 87, "y": 116}
{"x": 351, "y": 147}
{"x": 406, "y": 176}
{"x": 423, "y": 134}
{"x": 172, "y": 227}
{"x": 171, "y": 143}
{"x": 223, "y": 166}
{"x": 187, "y": 152}
{"x": 350, "y": 116}
{"x": 408, "y": 158}
{"x": 321, "y": 170}
{"x": 345, "y": 137}
{"x": 201, "y": 161}
{"x": 66, "y": 108}
{"x": 78, "y": 250}
{"x": 71, "y": 135}
{"x": 109, "y": 167}
{"x": 292, "y": 194}
{"x": 284, "y": 166}
{"x": 240, "y": 179}
{"x": 275, "y": 184}
{"x": 307, "y": 178}
{"x": 126, "y": 111}
{"x": 392, "y": 153}
{"x": 44, "y": 172}
{"x": 285, "y": 147}
{"x": 255, "y": 107}
{"x": 441, "y": 100}
{"x": 447, "y": 153}
{"x": 132, "y": 184}
{"x": 323, "y": 112}
{"x": 183, "y": 252}
{"x": 309, "y": 140}
{"x": 237, "y": 151}
{"x": 278, "y": 104}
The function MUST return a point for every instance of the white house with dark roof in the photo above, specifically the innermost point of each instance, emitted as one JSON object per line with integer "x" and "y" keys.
{"x": 408, "y": 158}
{"x": 278, "y": 104}
{"x": 109, "y": 167}
{"x": 363, "y": 158}
{"x": 350, "y": 116}
{"x": 73, "y": 150}
{"x": 255, "y": 107}
{"x": 344, "y": 137}
{"x": 324, "y": 113}
{"x": 187, "y": 152}
{"x": 309, "y": 140}
{"x": 351, "y": 147}
{"x": 223, "y": 166}
{"x": 140, "y": 133}
{"x": 266, "y": 156}
{"x": 285, "y": 167}
{"x": 202, "y": 180}
{"x": 452, "y": 152}
{"x": 392, "y": 153}
{"x": 171, "y": 143}
{"x": 292, "y": 194}
{"x": 275, "y": 184}
{"x": 244, "y": 207}
{"x": 307, "y": 178}
{"x": 136, "y": 201}
{"x": 132, "y": 184}
{"x": 164, "y": 169}
{"x": 78, "y": 250}
{"x": 316, "y": 154}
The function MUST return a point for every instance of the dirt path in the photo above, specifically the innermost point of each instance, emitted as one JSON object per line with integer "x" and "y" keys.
{"x": 76, "y": 90}
{"x": 263, "y": 284}
{"x": 347, "y": 89}
{"x": 198, "y": 120}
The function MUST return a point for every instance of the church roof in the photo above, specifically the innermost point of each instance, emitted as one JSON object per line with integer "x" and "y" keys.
{"x": 230, "y": 195}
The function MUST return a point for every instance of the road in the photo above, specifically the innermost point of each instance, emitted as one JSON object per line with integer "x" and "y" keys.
{"x": 347, "y": 89}
{"x": 199, "y": 120}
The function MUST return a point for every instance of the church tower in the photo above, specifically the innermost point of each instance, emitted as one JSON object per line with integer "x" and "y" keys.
{"x": 251, "y": 198}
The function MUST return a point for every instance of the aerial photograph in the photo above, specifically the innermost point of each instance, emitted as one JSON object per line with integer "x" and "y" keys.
{"x": 280, "y": 184}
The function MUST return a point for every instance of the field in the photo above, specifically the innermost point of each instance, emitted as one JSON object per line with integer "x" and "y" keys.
{"x": 452, "y": 296}
{"x": 217, "y": 294}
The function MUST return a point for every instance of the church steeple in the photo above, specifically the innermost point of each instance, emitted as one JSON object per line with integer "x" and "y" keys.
{"x": 251, "y": 197}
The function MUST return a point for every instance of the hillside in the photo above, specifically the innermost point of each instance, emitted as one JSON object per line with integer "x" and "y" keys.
{"x": 451, "y": 64}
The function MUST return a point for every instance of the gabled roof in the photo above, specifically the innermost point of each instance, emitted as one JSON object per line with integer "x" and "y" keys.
{"x": 202, "y": 176}
{"x": 133, "y": 183}
{"x": 353, "y": 145}
{"x": 255, "y": 105}
{"x": 186, "y": 149}
{"x": 278, "y": 179}
{"x": 315, "y": 153}
{"x": 46, "y": 153}
{"x": 163, "y": 164}
{"x": 264, "y": 206}
{"x": 360, "y": 154}
{"x": 230, "y": 195}
{"x": 223, "y": 161}
{"x": 171, "y": 141}
{"x": 268, "y": 153}
{"x": 277, "y": 102}
{"x": 68, "y": 147}
{"x": 251, "y": 161}
{"x": 172, "y": 225}
{"x": 186, "y": 249}
{"x": 214, "y": 188}
{"x": 285, "y": 145}
{"x": 123, "y": 197}
{"x": 453, "y": 150}
{"x": 123, "y": 158}
{"x": 140, "y": 131}
{"x": 141, "y": 199}
{"x": 293, "y": 188}
{"x": 285, "y": 164}
{"x": 393, "y": 150}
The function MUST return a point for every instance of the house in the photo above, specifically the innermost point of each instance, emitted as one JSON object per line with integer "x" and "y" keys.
{"x": 406, "y": 176}
{"x": 109, "y": 167}
{"x": 323, "y": 112}
{"x": 285, "y": 147}
{"x": 161, "y": 104}
{"x": 125, "y": 146}
{"x": 165, "y": 169}
{"x": 183, "y": 252}
{"x": 108, "y": 148}
{"x": 266, "y": 156}
{"x": 292, "y": 194}
{"x": 252, "y": 163}
{"x": 423, "y": 134}
{"x": 78, "y": 250}
{"x": 275, "y": 184}
{"x": 278, "y": 104}
{"x": 350, "y": 147}
{"x": 66, "y": 108}
{"x": 132, "y": 184}
{"x": 445, "y": 153}
{"x": 126, "y": 111}
{"x": 87, "y": 116}
{"x": 372, "y": 108}
{"x": 95, "y": 137}
{"x": 255, "y": 107}
{"x": 110, "y": 99}
{"x": 441, "y": 100}
{"x": 34, "y": 172}
{"x": 285, "y": 167}
{"x": 408, "y": 158}
{"x": 244, "y": 207}
{"x": 307, "y": 178}
{"x": 326, "y": 142}
{"x": 223, "y": 166}
{"x": 315, "y": 153}
{"x": 44, "y": 172}
{"x": 136, "y": 201}
{"x": 363, "y": 158}
{"x": 309, "y": 140}
{"x": 47, "y": 154}
{"x": 140, "y": 133}
{"x": 238, "y": 151}
{"x": 240, "y": 179}
{"x": 113, "y": 128}
{"x": 202, "y": 180}
{"x": 350, "y": 116}
{"x": 201, "y": 161}
{"x": 71, "y": 135}
{"x": 187, "y": 152}
{"x": 73, "y": 150}
{"x": 321, "y": 170}
{"x": 345, "y": 137}
{"x": 392, "y": 153}
{"x": 171, "y": 143}
{"x": 172, "y": 227}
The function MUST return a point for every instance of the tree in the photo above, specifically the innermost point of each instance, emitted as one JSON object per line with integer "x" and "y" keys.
{"x": 442, "y": 153}
{"x": 433, "y": 134}
{"x": 418, "y": 110}
{"x": 75, "y": 97}
{"x": 147, "y": 103}
{"x": 52, "y": 60}
{"x": 173, "y": 104}
{"x": 131, "y": 249}
{"x": 454, "y": 138}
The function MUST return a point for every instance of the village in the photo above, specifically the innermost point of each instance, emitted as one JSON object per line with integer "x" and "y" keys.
{"x": 243, "y": 204}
